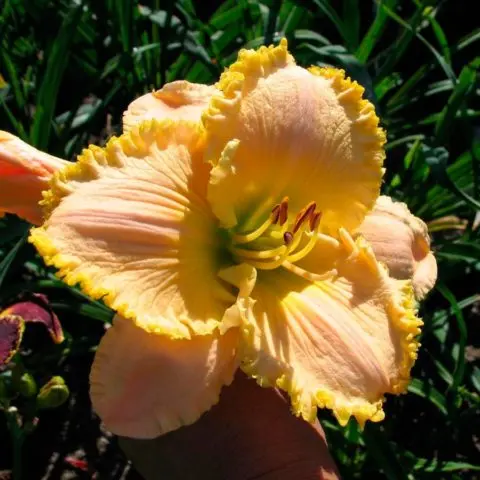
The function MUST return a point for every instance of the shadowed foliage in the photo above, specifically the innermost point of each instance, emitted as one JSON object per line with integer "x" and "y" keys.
{"x": 68, "y": 69}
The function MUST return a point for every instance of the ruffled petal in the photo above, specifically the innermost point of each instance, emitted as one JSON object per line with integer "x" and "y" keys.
{"x": 131, "y": 224}
{"x": 144, "y": 385}
{"x": 11, "y": 333}
{"x": 180, "y": 100}
{"x": 24, "y": 173}
{"x": 338, "y": 337}
{"x": 35, "y": 308}
{"x": 401, "y": 241}
{"x": 277, "y": 130}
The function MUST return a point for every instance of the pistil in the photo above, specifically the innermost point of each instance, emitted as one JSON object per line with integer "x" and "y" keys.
{"x": 288, "y": 235}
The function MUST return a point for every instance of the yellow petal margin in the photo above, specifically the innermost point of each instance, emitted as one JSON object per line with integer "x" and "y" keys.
{"x": 342, "y": 342}
{"x": 401, "y": 241}
{"x": 130, "y": 224}
{"x": 303, "y": 134}
{"x": 24, "y": 173}
{"x": 144, "y": 385}
{"x": 179, "y": 100}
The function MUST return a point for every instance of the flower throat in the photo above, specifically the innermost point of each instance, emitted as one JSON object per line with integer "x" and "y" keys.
{"x": 281, "y": 240}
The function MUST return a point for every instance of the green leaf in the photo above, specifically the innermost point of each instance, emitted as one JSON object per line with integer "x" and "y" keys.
{"x": 375, "y": 31}
{"x": 271, "y": 23}
{"x": 463, "y": 89}
{"x": 441, "y": 37}
{"x": 439, "y": 466}
{"x": 326, "y": 7}
{"x": 430, "y": 393}
{"x": 8, "y": 259}
{"x": 462, "y": 337}
{"x": 380, "y": 449}
{"x": 12, "y": 76}
{"x": 47, "y": 94}
{"x": 411, "y": 28}
{"x": 351, "y": 22}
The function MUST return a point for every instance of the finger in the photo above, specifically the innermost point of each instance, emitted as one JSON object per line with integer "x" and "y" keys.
{"x": 250, "y": 434}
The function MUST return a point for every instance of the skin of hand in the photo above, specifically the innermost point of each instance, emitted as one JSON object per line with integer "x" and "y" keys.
{"x": 249, "y": 435}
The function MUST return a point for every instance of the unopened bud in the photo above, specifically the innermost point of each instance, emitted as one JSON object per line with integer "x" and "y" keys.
{"x": 53, "y": 394}
{"x": 26, "y": 385}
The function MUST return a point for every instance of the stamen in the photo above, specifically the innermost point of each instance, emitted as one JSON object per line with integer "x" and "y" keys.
{"x": 288, "y": 238}
{"x": 259, "y": 254}
{"x": 314, "y": 221}
{"x": 305, "y": 213}
{"x": 304, "y": 251}
{"x": 296, "y": 241}
{"x": 290, "y": 234}
{"x": 283, "y": 216}
{"x": 333, "y": 242}
{"x": 347, "y": 240}
{"x": 278, "y": 234}
{"x": 268, "y": 265}
{"x": 312, "y": 277}
{"x": 249, "y": 237}
{"x": 275, "y": 214}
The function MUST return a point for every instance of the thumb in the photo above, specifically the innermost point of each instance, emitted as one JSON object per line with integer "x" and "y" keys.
{"x": 250, "y": 434}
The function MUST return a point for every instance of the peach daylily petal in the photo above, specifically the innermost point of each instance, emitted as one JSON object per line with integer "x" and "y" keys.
{"x": 24, "y": 174}
{"x": 401, "y": 241}
{"x": 179, "y": 100}
{"x": 278, "y": 130}
{"x": 340, "y": 337}
{"x": 131, "y": 224}
{"x": 145, "y": 385}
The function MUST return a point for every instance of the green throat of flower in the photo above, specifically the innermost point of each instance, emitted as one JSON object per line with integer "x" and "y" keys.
{"x": 281, "y": 241}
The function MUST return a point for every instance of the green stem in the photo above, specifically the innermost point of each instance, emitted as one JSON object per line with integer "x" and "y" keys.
{"x": 17, "y": 436}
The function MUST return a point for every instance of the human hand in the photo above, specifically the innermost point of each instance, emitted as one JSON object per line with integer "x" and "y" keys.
{"x": 250, "y": 434}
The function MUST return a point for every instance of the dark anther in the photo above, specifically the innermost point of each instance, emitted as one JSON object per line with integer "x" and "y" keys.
{"x": 288, "y": 238}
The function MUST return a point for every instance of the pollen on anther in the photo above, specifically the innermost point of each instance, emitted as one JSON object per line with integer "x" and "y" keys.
{"x": 314, "y": 220}
{"x": 275, "y": 214}
{"x": 288, "y": 238}
{"x": 283, "y": 211}
{"x": 305, "y": 213}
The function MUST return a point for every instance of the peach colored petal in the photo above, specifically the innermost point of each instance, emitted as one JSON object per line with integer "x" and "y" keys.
{"x": 131, "y": 224}
{"x": 401, "y": 241}
{"x": 144, "y": 385}
{"x": 278, "y": 130}
{"x": 179, "y": 100}
{"x": 24, "y": 174}
{"x": 340, "y": 335}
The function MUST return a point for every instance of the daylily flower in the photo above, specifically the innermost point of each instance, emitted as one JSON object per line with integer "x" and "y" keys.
{"x": 34, "y": 308}
{"x": 241, "y": 238}
{"x": 406, "y": 253}
{"x": 24, "y": 173}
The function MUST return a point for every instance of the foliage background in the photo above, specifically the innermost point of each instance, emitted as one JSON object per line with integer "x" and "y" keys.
{"x": 71, "y": 68}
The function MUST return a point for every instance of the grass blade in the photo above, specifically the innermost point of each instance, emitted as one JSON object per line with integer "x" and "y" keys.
{"x": 374, "y": 32}
{"x": 459, "y": 372}
{"x": 464, "y": 87}
{"x": 47, "y": 93}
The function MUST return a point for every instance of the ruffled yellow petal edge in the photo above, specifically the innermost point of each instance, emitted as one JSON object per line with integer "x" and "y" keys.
{"x": 250, "y": 67}
{"x": 360, "y": 110}
{"x": 166, "y": 132}
{"x": 401, "y": 307}
{"x": 255, "y": 64}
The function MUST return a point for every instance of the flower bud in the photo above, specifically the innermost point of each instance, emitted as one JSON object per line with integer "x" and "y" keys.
{"x": 26, "y": 385}
{"x": 53, "y": 394}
